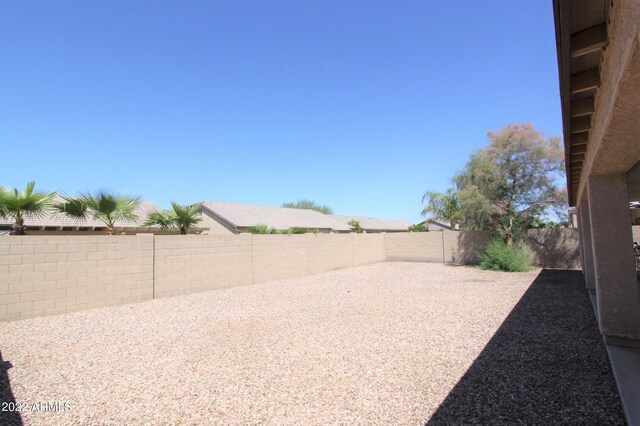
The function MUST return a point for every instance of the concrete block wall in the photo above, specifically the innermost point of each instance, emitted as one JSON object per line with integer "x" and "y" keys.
{"x": 186, "y": 264}
{"x": 327, "y": 253}
{"x": 279, "y": 256}
{"x": 436, "y": 247}
{"x": 551, "y": 248}
{"x": 46, "y": 275}
{"x": 415, "y": 247}
{"x": 369, "y": 248}
{"x": 463, "y": 248}
{"x": 555, "y": 248}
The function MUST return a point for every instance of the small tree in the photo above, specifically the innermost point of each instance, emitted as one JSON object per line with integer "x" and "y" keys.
{"x": 356, "y": 226}
{"x": 103, "y": 205}
{"x": 20, "y": 205}
{"x": 309, "y": 205}
{"x": 443, "y": 207}
{"x": 184, "y": 218}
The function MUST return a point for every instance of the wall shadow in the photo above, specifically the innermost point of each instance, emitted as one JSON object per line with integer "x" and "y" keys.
{"x": 555, "y": 248}
{"x": 469, "y": 247}
{"x": 8, "y": 418}
{"x": 546, "y": 364}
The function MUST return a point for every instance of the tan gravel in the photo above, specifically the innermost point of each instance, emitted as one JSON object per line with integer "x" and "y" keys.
{"x": 380, "y": 344}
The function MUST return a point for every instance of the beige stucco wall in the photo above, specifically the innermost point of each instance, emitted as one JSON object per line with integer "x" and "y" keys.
{"x": 613, "y": 140}
{"x": 215, "y": 225}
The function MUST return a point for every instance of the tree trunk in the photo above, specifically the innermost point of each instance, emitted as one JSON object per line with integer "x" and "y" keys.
{"x": 110, "y": 229}
{"x": 183, "y": 231}
{"x": 510, "y": 233}
{"x": 18, "y": 227}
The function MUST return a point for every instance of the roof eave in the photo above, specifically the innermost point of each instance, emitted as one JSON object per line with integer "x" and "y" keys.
{"x": 561, "y": 18}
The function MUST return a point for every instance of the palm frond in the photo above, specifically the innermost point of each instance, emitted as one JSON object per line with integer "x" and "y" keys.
{"x": 74, "y": 208}
{"x": 186, "y": 217}
{"x": 29, "y": 203}
{"x": 109, "y": 206}
{"x": 4, "y": 193}
{"x": 162, "y": 219}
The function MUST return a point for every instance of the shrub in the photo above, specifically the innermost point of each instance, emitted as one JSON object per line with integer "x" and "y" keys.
{"x": 291, "y": 231}
{"x": 498, "y": 256}
{"x": 261, "y": 229}
{"x": 357, "y": 228}
{"x": 421, "y": 227}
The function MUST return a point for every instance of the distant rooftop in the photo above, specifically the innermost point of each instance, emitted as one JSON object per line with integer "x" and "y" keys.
{"x": 372, "y": 224}
{"x": 280, "y": 218}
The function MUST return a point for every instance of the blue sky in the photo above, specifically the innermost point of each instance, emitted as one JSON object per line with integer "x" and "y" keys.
{"x": 359, "y": 105}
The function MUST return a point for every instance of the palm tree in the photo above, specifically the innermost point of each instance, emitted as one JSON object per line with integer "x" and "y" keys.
{"x": 20, "y": 205}
{"x": 184, "y": 218}
{"x": 443, "y": 207}
{"x": 103, "y": 205}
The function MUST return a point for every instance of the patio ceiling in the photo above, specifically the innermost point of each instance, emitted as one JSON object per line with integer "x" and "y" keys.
{"x": 582, "y": 37}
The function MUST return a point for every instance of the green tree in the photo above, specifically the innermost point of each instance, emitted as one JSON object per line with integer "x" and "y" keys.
{"x": 184, "y": 218}
{"x": 20, "y": 205}
{"x": 420, "y": 227}
{"x": 103, "y": 205}
{"x": 309, "y": 205}
{"x": 443, "y": 207}
{"x": 511, "y": 182}
{"x": 357, "y": 228}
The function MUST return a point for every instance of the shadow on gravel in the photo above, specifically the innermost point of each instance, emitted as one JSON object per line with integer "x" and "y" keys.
{"x": 7, "y": 400}
{"x": 546, "y": 364}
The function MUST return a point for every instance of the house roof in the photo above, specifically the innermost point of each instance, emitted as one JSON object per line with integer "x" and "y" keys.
{"x": 59, "y": 220}
{"x": 372, "y": 224}
{"x": 441, "y": 223}
{"x": 245, "y": 215}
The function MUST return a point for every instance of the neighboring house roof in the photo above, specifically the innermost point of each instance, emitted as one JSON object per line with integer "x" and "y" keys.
{"x": 372, "y": 224}
{"x": 56, "y": 219}
{"x": 281, "y": 218}
{"x": 439, "y": 224}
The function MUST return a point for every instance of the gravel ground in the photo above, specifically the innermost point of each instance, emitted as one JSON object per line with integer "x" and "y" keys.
{"x": 380, "y": 344}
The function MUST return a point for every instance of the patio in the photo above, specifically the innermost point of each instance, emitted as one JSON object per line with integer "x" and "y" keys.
{"x": 389, "y": 343}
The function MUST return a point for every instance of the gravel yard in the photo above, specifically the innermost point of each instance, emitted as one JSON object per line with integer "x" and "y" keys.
{"x": 380, "y": 344}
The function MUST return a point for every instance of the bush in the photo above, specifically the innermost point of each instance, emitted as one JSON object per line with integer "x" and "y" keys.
{"x": 293, "y": 231}
{"x": 357, "y": 228}
{"x": 421, "y": 227}
{"x": 498, "y": 256}
{"x": 261, "y": 229}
